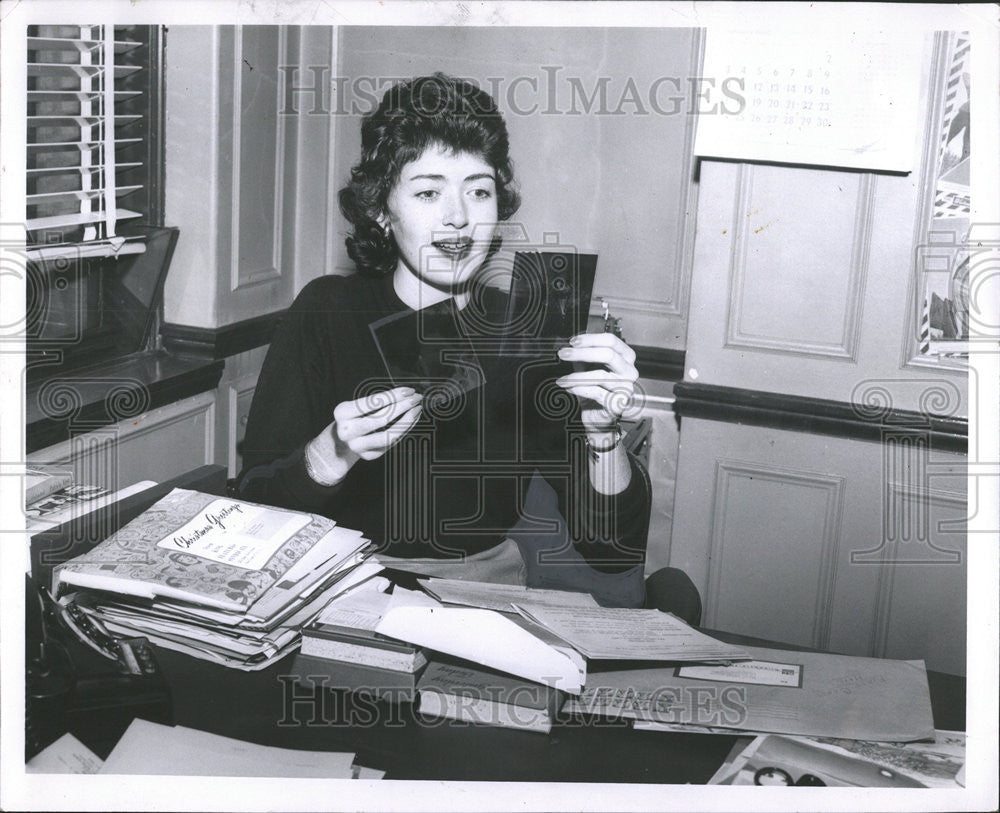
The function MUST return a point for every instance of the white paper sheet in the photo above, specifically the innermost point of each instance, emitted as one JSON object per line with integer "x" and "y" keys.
{"x": 361, "y": 609}
{"x": 481, "y": 636}
{"x": 151, "y": 748}
{"x": 236, "y": 533}
{"x": 65, "y": 755}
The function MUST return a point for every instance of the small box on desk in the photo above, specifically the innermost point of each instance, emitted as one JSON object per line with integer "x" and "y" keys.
{"x": 390, "y": 685}
{"x": 478, "y": 695}
{"x": 363, "y": 647}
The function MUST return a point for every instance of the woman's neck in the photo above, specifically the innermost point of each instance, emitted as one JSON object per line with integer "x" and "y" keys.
{"x": 417, "y": 294}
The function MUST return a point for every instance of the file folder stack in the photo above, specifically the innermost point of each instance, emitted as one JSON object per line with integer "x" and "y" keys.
{"x": 218, "y": 578}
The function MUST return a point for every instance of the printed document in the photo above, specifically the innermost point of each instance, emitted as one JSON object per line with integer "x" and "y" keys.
{"x": 608, "y": 633}
{"x": 236, "y": 533}
{"x": 501, "y": 597}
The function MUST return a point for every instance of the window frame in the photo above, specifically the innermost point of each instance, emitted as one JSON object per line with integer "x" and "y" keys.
{"x": 95, "y": 337}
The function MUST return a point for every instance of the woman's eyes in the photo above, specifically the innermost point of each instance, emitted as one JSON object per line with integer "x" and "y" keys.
{"x": 479, "y": 193}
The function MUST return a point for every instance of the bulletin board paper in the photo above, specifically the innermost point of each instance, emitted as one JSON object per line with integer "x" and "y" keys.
{"x": 822, "y": 99}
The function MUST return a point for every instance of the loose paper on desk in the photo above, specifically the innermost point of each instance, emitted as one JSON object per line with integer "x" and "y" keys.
{"x": 828, "y": 696}
{"x": 65, "y": 755}
{"x": 344, "y": 549}
{"x": 361, "y": 579}
{"x": 360, "y": 609}
{"x": 481, "y": 636}
{"x": 151, "y": 748}
{"x": 611, "y": 633}
{"x": 501, "y": 597}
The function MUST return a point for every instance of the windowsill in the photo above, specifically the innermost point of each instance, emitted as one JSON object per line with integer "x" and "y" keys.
{"x": 93, "y": 397}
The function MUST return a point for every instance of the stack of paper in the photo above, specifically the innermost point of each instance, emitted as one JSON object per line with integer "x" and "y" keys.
{"x": 546, "y": 636}
{"x": 221, "y": 579}
{"x": 345, "y": 632}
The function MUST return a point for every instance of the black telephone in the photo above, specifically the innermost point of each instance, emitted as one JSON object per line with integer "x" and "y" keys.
{"x": 83, "y": 681}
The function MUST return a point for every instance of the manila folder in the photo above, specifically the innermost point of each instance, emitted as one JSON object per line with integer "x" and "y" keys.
{"x": 779, "y": 691}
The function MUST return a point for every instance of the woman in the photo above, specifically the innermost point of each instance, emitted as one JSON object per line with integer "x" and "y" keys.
{"x": 439, "y": 487}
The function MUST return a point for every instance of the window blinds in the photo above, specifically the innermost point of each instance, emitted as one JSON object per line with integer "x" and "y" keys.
{"x": 84, "y": 146}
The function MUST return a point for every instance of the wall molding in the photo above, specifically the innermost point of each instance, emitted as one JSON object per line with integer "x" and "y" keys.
{"x": 818, "y": 416}
{"x": 659, "y": 363}
{"x": 236, "y": 138}
{"x": 620, "y": 305}
{"x": 847, "y": 347}
{"x": 725, "y": 472}
{"x": 220, "y": 342}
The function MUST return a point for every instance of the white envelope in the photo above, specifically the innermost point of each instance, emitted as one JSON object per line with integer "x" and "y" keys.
{"x": 485, "y": 637}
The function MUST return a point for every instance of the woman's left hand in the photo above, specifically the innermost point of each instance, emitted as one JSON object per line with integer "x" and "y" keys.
{"x": 607, "y": 390}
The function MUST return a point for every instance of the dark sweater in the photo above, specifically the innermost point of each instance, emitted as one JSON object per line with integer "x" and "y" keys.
{"x": 455, "y": 483}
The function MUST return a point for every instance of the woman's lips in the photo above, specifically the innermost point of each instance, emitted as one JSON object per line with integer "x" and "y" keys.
{"x": 454, "y": 248}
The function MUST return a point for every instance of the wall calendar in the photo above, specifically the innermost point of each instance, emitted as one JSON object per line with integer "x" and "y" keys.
{"x": 827, "y": 99}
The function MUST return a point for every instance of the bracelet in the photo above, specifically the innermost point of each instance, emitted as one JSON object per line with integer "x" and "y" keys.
{"x": 597, "y": 450}
{"x": 314, "y": 475}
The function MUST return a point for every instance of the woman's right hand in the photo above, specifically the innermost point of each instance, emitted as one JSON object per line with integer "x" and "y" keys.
{"x": 363, "y": 429}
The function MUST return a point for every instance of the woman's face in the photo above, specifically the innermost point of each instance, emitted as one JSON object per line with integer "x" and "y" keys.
{"x": 443, "y": 216}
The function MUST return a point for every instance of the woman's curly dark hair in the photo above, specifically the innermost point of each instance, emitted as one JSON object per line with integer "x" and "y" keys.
{"x": 414, "y": 115}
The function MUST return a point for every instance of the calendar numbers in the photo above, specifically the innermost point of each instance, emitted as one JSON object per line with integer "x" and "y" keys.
{"x": 788, "y": 94}
{"x": 824, "y": 98}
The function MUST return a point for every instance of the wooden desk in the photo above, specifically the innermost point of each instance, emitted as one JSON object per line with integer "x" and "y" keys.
{"x": 268, "y": 707}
